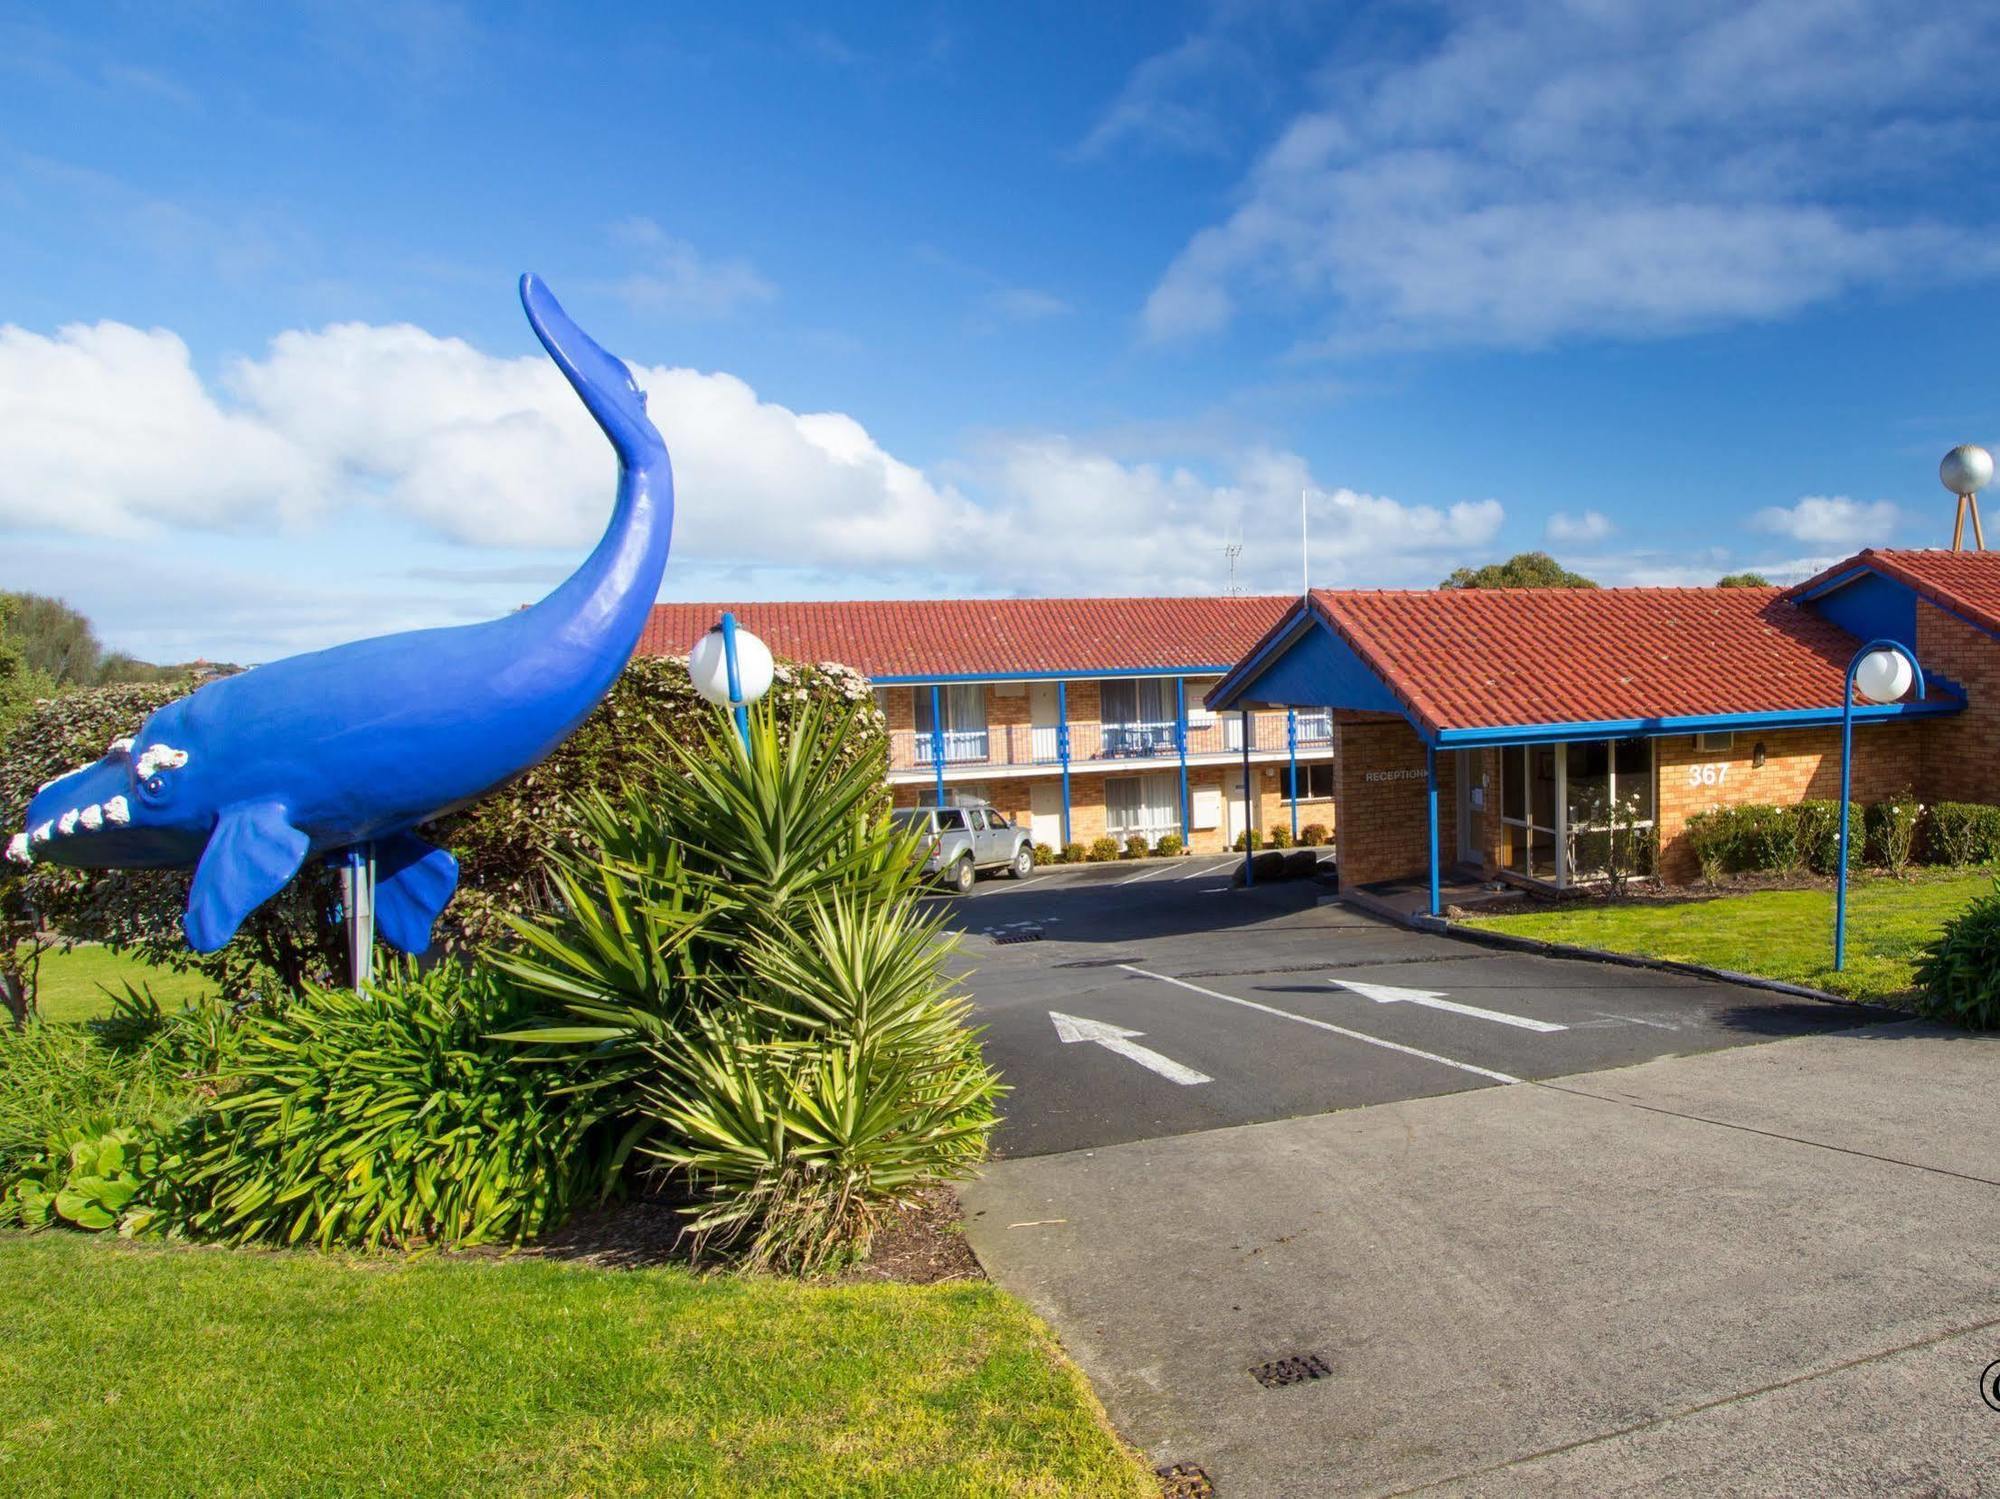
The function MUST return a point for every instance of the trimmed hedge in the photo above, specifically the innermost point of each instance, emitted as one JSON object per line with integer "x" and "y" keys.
{"x": 1759, "y": 838}
{"x": 1962, "y": 833}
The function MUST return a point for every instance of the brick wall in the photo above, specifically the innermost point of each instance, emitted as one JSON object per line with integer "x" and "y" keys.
{"x": 1799, "y": 765}
{"x": 1380, "y": 785}
{"x": 1959, "y": 757}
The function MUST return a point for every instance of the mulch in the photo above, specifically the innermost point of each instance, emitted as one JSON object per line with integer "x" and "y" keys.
{"x": 918, "y": 1245}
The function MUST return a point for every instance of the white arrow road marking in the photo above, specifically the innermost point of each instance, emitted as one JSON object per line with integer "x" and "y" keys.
{"x": 1338, "y": 1030}
{"x": 1386, "y": 994}
{"x": 1073, "y": 1028}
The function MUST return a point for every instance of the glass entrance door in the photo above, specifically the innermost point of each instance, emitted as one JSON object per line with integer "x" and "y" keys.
{"x": 1566, "y": 809}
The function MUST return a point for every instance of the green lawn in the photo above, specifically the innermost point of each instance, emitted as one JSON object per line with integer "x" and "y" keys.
{"x": 1780, "y": 934}
{"x": 200, "y": 1371}
{"x": 73, "y": 983}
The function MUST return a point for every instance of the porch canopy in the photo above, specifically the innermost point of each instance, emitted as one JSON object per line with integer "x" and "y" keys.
{"x": 1478, "y": 668}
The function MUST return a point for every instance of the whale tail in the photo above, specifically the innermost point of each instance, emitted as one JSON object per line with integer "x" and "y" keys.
{"x": 600, "y": 378}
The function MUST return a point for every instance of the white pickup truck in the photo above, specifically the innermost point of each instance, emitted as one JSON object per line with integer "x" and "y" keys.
{"x": 966, "y": 839}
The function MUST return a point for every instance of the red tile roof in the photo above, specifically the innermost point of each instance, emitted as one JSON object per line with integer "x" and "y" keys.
{"x": 923, "y": 638}
{"x": 1968, "y": 582}
{"x": 1491, "y": 658}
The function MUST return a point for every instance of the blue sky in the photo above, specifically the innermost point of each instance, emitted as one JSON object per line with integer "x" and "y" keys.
{"x": 933, "y": 298}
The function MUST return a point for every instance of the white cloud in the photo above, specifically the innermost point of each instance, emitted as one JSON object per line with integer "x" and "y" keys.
{"x": 1830, "y": 521}
{"x": 1543, "y": 172}
{"x": 1575, "y": 530}
{"x": 358, "y": 430}
{"x": 677, "y": 279}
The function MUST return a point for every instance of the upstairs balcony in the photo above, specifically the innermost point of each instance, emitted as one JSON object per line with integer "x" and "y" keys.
{"x": 1098, "y": 745}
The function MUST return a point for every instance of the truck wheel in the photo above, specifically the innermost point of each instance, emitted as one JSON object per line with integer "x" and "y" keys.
{"x": 1024, "y": 863}
{"x": 961, "y": 876}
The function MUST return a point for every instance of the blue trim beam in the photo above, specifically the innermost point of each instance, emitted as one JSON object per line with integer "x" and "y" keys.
{"x": 1062, "y": 751}
{"x": 1180, "y": 744}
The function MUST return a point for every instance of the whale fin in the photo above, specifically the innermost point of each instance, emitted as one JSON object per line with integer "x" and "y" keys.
{"x": 413, "y": 881}
{"x": 251, "y": 854}
{"x": 600, "y": 377}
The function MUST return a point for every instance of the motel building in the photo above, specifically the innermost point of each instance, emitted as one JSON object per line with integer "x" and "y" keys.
{"x": 1081, "y": 718}
{"x": 1483, "y": 735}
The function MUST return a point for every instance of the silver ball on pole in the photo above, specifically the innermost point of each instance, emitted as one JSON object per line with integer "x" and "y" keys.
{"x": 1965, "y": 470}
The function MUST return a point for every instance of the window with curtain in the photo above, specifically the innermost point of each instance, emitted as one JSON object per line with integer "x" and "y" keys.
{"x": 964, "y": 709}
{"x": 1142, "y": 806}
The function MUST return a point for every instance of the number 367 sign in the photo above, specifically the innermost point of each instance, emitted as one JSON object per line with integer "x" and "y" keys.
{"x": 1707, "y": 775}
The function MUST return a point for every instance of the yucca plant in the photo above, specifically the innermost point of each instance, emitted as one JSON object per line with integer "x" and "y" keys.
{"x": 848, "y": 1078}
{"x": 742, "y": 963}
{"x": 388, "y": 1116}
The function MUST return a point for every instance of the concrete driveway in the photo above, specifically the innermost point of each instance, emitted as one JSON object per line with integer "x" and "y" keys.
{"x": 1755, "y": 1253}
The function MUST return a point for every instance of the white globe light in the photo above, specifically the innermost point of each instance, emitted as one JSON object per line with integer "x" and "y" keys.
{"x": 1883, "y": 676}
{"x": 1966, "y": 469}
{"x": 708, "y": 664}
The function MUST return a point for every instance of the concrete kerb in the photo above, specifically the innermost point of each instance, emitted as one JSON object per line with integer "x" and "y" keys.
{"x": 1445, "y": 927}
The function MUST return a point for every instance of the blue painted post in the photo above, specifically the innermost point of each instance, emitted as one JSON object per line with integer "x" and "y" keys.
{"x": 736, "y": 707}
{"x": 1062, "y": 751}
{"x": 1431, "y": 796}
{"x": 1180, "y": 743}
{"x": 937, "y": 739}
{"x": 1292, "y": 749}
{"x": 1249, "y": 816}
{"x": 1847, "y": 777}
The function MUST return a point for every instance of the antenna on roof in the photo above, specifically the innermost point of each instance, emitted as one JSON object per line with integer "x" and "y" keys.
{"x": 1966, "y": 470}
{"x": 1231, "y": 550}
{"x": 1305, "y": 548}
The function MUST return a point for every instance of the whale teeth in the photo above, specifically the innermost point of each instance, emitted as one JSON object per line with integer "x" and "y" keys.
{"x": 117, "y": 810}
{"x": 66, "y": 824}
{"x": 92, "y": 817}
{"x": 120, "y": 746}
{"x": 160, "y": 757}
{"x": 18, "y": 851}
{"x": 43, "y": 833}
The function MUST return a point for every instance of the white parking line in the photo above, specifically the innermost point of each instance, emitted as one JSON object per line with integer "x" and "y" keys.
{"x": 1146, "y": 874}
{"x": 1201, "y": 869}
{"x": 1338, "y": 1030}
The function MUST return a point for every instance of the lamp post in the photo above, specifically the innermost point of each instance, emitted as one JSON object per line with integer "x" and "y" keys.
{"x": 1965, "y": 471}
{"x": 731, "y": 668}
{"x": 1882, "y": 671}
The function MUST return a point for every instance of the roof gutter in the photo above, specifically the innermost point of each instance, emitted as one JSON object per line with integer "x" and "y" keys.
{"x": 1699, "y": 723}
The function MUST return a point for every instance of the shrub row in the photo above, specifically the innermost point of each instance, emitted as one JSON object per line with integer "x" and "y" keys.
{"x": 1103, "y": 850}
{"x": 1760, "y": 838}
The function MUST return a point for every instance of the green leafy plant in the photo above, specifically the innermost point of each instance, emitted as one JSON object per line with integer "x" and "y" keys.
{"x": 1314, "y": 835}
{"x": 1892, "y": 831}
{"x": 1281, "y": 837}
{"x": 1711, "y": 837}
{"x": 1169, "y": 846}
{"x": 1963, "y": 833}
{"x": 744, "y": 974}
{"x": 141, "y": 1065}
{"x": 849, "y": 1078}
{"x": 1958, "y": 974}
{"x": 1074, "y": 853}
{"x": 89, "y": 1178}
{"x": 1102, "y": 850}
{"x": 1244, "y": 840}
{"x": 1136, "y": 848}
{"x": 1044, "y": 854}
{"x": 1819, "y": 833}
{"x": 389, "y": 1116}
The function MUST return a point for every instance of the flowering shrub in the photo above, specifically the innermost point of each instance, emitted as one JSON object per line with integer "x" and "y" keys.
{"x": 1102, "y": 850}
{"x": 1892, "y": 830}
{"x": 1313, "y": 834}
{"x": 1169, "y": 846}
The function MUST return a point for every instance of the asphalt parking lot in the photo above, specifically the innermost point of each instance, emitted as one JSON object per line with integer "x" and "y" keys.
{"x": 1158, "y": 1000}
{"x": 1555, "y": 1228}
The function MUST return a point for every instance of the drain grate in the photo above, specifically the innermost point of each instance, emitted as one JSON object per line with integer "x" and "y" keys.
{"x": 1297, "y": 1369}
{"x": 1185, "y": 1481}
{"x": 1130, "y": 957}
{"x": 1026, "y": 934}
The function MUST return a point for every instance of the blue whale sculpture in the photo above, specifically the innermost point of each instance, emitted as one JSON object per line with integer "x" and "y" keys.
{"x": 248, "y": 777}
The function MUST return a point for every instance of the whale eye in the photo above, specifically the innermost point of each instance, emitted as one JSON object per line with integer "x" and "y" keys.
{"x": 154, "y": 785}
